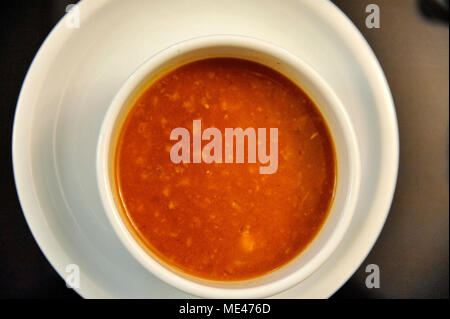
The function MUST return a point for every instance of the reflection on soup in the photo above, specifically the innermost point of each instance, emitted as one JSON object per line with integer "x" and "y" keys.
{"x": 224, "y": 221}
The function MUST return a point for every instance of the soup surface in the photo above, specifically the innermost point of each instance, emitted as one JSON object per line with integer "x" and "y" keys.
{"x": 225, "y": 221}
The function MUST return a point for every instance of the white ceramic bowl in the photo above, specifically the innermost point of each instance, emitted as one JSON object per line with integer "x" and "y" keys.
{"x": 348, "y": 163}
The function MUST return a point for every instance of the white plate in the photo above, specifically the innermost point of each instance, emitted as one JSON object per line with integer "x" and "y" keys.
{"x": 77, "y": 72}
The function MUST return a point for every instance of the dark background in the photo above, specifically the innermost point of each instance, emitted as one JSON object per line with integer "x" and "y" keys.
{"x": 412, "y": 251}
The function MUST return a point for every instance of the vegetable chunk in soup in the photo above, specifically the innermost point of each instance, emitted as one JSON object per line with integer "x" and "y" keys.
{"x": 224, "y": 220}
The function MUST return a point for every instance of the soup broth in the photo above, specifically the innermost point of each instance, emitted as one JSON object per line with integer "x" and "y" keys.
{"x": 225, "y": 221}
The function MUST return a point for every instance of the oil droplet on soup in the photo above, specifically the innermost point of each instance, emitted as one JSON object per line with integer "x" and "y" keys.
{"x": 225, "y": 221}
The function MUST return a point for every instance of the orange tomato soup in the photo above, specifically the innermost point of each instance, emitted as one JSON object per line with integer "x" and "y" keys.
{"x": 223, "y": 221}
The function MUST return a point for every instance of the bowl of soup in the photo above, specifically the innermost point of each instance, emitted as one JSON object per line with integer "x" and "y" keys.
{"x": 228, "y": 167}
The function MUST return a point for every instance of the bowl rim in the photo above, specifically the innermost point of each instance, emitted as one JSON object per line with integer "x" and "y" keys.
{"x": 114, "y": 216}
